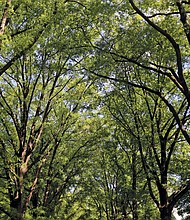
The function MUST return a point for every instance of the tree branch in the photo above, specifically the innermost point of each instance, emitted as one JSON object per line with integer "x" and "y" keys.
{"x": 174, "y": 45}
{"x": 21, "y": 53}
{"x": 183, "y": 18}
{"x": 176, "y": 196}
{"x": 4, "y": 19}
{"x": 165, "y": 14}
{"x": 159, "y": 94}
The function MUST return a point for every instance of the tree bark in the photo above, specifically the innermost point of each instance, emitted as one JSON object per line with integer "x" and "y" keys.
{"x": 165, "y": 213}
{"x": 134, "y": 187}
{"x": 16, "y": 209}
{"x": 4, "y": 19}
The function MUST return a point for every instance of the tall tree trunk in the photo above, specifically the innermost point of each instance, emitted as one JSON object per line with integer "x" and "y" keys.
{"x": 134, "y": 187}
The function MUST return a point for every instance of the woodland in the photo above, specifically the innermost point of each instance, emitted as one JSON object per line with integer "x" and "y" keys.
{"x": 94, "y": 109}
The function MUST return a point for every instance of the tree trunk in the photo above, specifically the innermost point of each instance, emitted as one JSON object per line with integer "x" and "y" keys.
{"x": 165, "y": 213}
{"x": 16, "y": 214}
{"x": 16, "y": 206}
{"x": 134, "y": 187}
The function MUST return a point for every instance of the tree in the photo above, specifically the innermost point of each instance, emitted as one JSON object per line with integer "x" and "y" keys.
{"x": 40, "y": 106}
{"x": 52, "y": 57}
{"x": 155, "y": 137}
{"x": 41, "y": 99}
{"x": 144, "y": 52}
{"x": 22, "y": 25}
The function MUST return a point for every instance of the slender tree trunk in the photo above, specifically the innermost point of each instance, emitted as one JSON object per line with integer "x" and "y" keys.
{"x": 107, "y": 212}
{"x": 134, "y": 187}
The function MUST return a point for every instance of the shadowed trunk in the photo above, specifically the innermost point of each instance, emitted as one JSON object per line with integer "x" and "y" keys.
{"x": 165, "y": 213}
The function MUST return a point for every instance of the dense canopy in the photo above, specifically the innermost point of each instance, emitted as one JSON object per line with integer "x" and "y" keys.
{"x": 94, "y": 109}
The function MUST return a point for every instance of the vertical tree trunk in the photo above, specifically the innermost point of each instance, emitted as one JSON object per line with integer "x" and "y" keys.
{"x": 165, "y": 213}
{"x": 134, "y": 187}
{"x": 16, "y": 209}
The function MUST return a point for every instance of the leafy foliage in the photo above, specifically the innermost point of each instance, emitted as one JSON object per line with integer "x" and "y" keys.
{"x": 94, "y": 109}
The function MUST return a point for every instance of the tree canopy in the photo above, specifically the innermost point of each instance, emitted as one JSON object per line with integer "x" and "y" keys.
{"x": 94, "y": 109}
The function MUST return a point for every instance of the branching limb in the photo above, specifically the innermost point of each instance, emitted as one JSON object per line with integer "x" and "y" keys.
{"x": 21, "y": 53}
{"x": 183, "y": 18}
{"x": 174, "y": 44}
{"x": 159, "y": 94}
{"x": 176, "y": 196}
